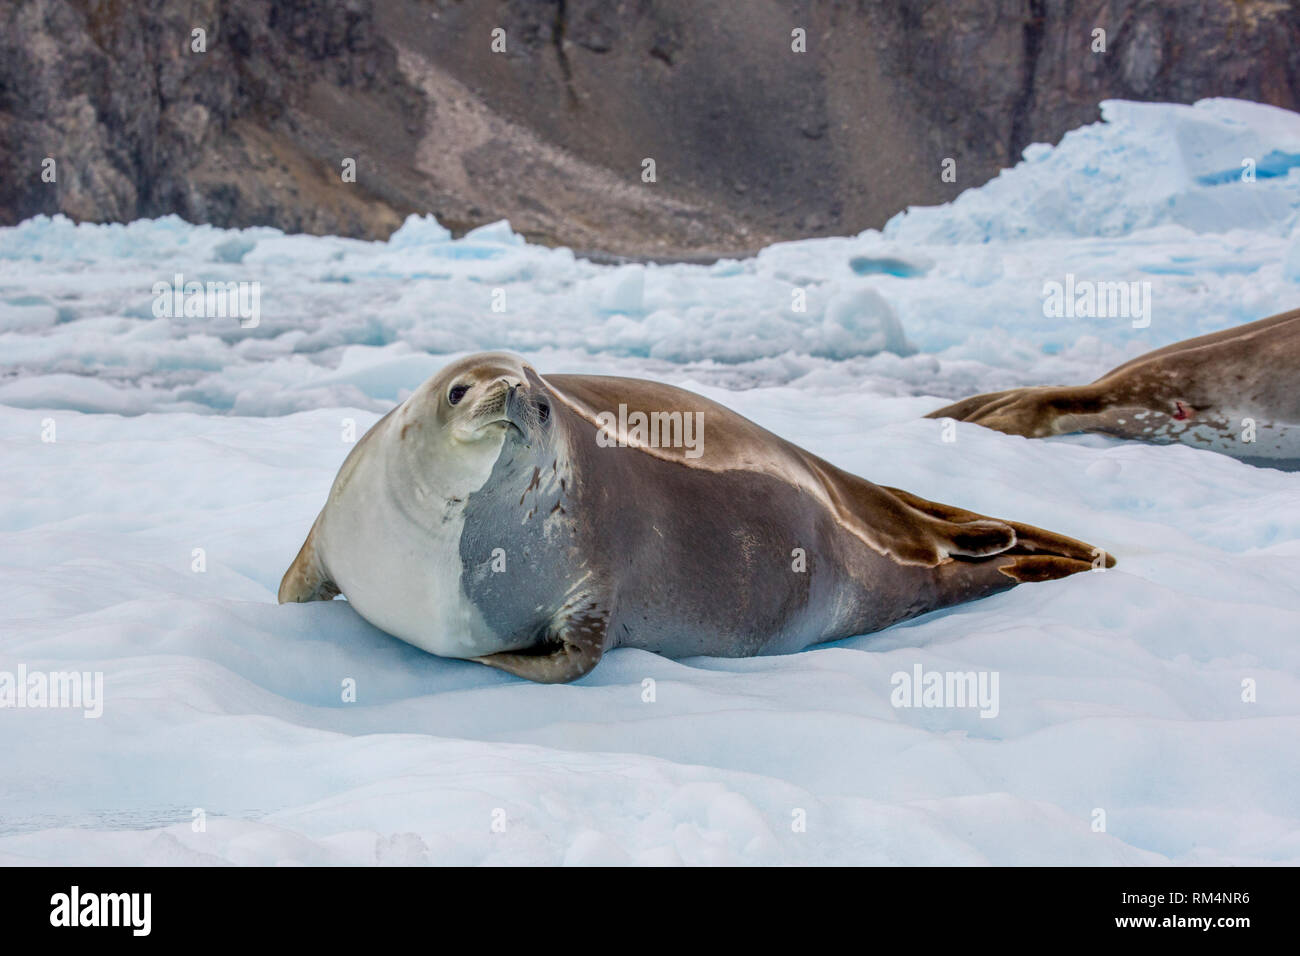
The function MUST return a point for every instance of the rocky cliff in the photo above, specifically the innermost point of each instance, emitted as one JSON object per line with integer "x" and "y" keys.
{"x": 751, "y": 140}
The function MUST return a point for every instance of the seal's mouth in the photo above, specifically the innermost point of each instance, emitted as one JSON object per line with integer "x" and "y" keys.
{"x": 514, "y": 408}
{"x": 508, "y": 425}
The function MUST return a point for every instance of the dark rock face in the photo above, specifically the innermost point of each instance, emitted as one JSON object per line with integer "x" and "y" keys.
{"x": 751, "y": 141}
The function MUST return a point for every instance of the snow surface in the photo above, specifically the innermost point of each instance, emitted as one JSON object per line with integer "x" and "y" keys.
{"x": 1119, "y": 691}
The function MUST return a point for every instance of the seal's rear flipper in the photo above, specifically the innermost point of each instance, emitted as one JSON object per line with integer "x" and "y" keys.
{"x": 571, "y": 648}
{"x": 1043, "y": 567}
{"x": 306, "y": 580}
{"x": 909, "y": 529}
{"x": 1034, "y": 554}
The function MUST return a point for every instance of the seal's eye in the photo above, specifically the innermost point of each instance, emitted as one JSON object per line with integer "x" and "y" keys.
{"x": 457, "y": 393}
{"x": 543, "y": 411}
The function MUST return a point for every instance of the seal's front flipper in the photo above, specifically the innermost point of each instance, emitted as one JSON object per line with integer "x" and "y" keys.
{"x": 573, "y": 645}
{"x": 306, "y": 580}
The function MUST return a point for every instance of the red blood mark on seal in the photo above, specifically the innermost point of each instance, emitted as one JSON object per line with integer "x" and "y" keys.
{"x": 1184, "y": 412}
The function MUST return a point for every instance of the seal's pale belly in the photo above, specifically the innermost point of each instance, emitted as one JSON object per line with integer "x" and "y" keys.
{"x": 399, "y": 575}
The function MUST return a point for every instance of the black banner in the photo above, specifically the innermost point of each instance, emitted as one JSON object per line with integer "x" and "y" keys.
{"x": 213, "y": 906}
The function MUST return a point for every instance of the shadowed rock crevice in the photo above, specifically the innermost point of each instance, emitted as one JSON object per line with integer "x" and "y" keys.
{"x": 1033, "y": 46}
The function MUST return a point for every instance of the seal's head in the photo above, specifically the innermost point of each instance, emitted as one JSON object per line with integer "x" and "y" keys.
{"x": 454, "y": 427}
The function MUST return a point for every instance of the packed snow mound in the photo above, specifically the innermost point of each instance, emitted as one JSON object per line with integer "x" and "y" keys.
{"x": 1218, "y": 165}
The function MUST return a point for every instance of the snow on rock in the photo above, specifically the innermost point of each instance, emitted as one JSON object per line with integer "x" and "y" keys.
{"x": 1218, "y": 165}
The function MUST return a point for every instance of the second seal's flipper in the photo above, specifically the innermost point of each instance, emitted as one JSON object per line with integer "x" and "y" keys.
{"x": 963, "y": 410}
{"x": 1035, "y": 412}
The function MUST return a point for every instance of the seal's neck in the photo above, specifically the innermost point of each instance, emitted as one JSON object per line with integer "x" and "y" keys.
{"x": 427, "y": 471}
